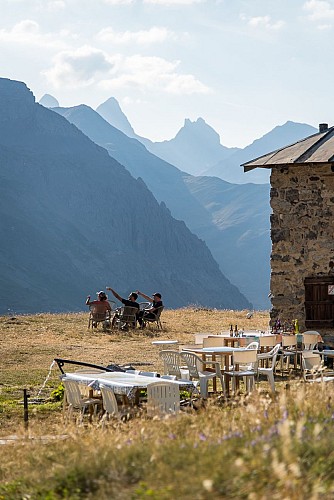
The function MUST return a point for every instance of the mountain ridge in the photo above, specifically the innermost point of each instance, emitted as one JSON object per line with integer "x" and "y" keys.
{"x": 72, "y": 222}
{"x": 188, "y": 202}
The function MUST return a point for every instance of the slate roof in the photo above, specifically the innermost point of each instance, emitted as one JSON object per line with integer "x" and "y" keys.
{"x": 317, "y": 148}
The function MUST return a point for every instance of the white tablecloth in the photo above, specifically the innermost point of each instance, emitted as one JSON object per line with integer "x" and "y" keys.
{"x": 123, "y": 383}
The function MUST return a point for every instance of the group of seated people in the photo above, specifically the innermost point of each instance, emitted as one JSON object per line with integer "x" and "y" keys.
{"x": 149, "y": 313}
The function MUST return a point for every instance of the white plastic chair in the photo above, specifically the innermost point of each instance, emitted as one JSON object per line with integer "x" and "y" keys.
{"x": 173, "y": 364}
{"x": 270, "y": 361}
{"x": 76, "y": 401}
{"x": 310, "y": 340}
{"x": 267, "y": 341}
{"x": 163, "y": 398}
{"x": 248, "y": 357}
{"x": 197, "y": 371}
{"x": 313, "y": 368}
{"x": 110, "y": 405}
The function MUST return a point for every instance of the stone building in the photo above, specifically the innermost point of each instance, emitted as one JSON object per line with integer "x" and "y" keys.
{"x": 302, "y": 231}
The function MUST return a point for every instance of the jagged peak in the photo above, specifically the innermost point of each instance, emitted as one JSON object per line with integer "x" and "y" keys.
{"x": 199, "y": 128}
{"x": 112, "y": 112}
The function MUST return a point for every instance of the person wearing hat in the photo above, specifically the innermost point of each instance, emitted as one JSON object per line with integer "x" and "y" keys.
{"x": 149, "y": 313}
{"x": 101, "y": 306}
{"x": 131, "y": 301}
{"x": 101, "y": 302}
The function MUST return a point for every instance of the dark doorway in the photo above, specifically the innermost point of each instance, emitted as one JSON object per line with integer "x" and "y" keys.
{"x": 319, "y": 302}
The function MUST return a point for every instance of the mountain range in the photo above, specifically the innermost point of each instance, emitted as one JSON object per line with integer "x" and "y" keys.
{"x": 232, "y": 219}
{"x": 74, "y": 220}
{"x": 196, "y": 148}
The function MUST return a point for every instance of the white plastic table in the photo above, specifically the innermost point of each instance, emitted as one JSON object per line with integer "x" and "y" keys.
{"x": 163, "y": 343}
{"x": 122, "y": 383}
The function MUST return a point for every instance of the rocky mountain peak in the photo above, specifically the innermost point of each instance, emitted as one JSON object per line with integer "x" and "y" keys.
{"x": 199, "y": 130}
{"x": 111, "y": 111}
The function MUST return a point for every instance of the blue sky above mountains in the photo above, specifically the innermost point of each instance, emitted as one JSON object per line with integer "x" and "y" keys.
{"x": 243, "y": 66}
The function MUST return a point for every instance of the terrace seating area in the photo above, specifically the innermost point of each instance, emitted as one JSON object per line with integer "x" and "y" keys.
{"x": 212, "y": 365}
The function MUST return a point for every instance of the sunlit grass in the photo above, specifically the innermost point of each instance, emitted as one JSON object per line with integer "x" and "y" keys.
{"x": 257, "y": 447}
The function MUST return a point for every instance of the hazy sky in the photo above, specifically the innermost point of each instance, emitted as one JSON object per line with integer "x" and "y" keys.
{"x": 243, "y": 66}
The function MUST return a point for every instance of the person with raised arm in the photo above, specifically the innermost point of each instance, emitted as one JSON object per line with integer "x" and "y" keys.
{"x": 131, "y": 301}
{"x": 150, "y": 312}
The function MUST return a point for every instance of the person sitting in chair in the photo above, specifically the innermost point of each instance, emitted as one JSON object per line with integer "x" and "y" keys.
{"x": 101, "y": 307}
{"x": 149, "y": 313}
{"x": 102, "y": 304}
{"x": 130, "y": 301}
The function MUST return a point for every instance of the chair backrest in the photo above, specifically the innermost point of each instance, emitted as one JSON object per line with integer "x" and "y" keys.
{"x": 246, "y": 357}
{"x": 163, "y": 398}
{"x": 109, "y": 400}
{"x": 267, "y": 341}
{"x": 129, "y": 314}
{"x": 253, "y": 345}
{"x": 98, "y": 312}
{"x": 193, "y": 362}
{"x": 213, "y": 342}
{"x": 158, "y": 311}
{"x": 73, "y": 394}
{"x": 289, "y": 340}
{"x": 200, "y": 336}
{"x": 172, "y": 361}
{"x": 310, "y": 340}
{"x": 311, "y": 361}
{"x": 271, "y": 356}
{"x": 312, "y": 365}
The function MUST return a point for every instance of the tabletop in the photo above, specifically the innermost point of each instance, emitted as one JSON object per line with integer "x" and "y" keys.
{"x": 215, "y": 350}
{"x": 165, "y": 342}
{"x": 122, "y": 382}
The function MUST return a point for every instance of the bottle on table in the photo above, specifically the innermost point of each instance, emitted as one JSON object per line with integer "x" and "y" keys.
{"x": 236, "y": 331}
{"x": 231, "y": 331}
{"x": 296, "y": 327}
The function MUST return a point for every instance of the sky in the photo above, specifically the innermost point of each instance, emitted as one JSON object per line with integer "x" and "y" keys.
{"x": 243, "y": 66}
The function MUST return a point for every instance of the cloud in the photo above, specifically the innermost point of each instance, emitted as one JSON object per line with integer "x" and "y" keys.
{"x": 55, "y": 5}
{"x": 152, "y": 74}
{"x": 143, "y": 37}
{"x": 263, "y": 22}
{"x": 118, "y": 2}
{"x": 28, "y": 32}
{"x": 173, "y": 2}
{"x": 321, "y": 12}
{"x": 82, "y": 67}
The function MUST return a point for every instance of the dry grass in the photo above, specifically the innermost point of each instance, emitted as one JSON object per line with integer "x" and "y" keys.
{"x": 30, "y": 343}
{"x": 252, "y": 448}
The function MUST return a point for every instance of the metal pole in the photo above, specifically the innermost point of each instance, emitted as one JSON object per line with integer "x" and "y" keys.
{"x": 25, "y": 408}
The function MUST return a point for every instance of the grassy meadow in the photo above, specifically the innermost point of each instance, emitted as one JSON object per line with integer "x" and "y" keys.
{"x": 252, "y": 447}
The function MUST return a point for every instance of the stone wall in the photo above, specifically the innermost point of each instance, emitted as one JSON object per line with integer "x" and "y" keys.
{"x": 302, "y": 234}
